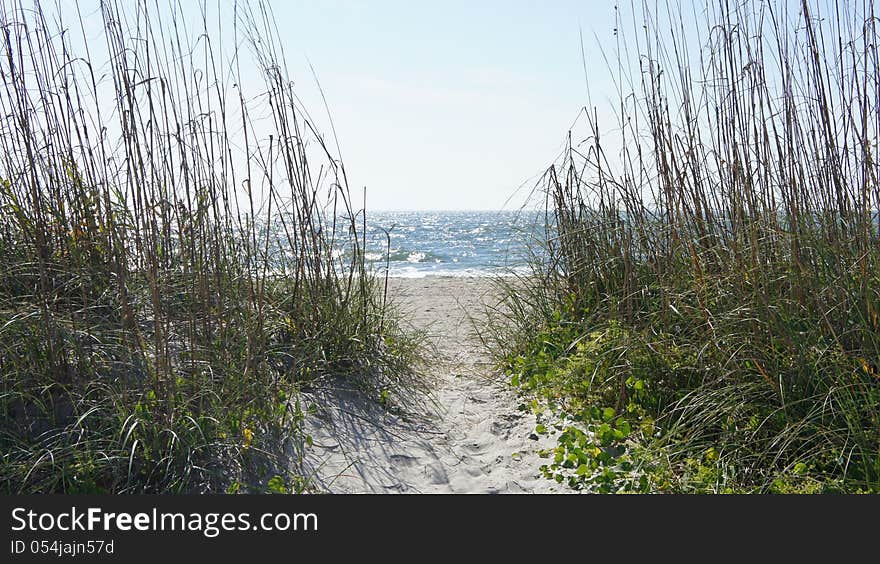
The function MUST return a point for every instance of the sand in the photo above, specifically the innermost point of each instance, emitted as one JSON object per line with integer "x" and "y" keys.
{"x": 470, "y": 439}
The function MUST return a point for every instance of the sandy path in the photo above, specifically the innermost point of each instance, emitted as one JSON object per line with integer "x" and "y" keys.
{"x": 472, "y": 440}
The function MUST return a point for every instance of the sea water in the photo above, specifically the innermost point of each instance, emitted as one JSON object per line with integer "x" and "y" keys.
{"x": 415, "y": 244}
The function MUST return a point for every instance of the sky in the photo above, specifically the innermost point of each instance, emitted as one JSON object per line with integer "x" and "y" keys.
{"x": 435, "y": 105}
{"x": 446, "y": 105}
{"x": 452, "y": 104}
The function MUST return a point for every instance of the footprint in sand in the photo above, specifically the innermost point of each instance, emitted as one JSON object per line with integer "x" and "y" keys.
{"x": 500, "y": 428}
{"x": 436, "y": 474}
{"x": 474, "y": 471}
{"x": 475, "y": 448}
{"x": 402, "y": 460}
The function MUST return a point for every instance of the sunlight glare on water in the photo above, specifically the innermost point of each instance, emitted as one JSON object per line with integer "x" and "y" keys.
{"x": 443, "y": 243}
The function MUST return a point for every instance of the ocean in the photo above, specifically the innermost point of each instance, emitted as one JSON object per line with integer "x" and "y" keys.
{"x": 449, "y": 243}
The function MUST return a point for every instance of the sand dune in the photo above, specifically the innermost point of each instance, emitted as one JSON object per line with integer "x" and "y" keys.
{"x": 472, "y": 439}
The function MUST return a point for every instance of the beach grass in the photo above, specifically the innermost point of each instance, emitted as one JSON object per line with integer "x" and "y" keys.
{"x": 169, "y": 269}
{"x": 703, "y": 313}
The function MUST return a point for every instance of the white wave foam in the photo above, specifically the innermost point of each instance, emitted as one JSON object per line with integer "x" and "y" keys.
{"x": 416, "y": 272}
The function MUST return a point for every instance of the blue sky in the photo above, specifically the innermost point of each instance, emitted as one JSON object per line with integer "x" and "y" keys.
{"x": 436, "y": 104}
{"x": 446, "y": 105}
{"x": 455, "y": 104}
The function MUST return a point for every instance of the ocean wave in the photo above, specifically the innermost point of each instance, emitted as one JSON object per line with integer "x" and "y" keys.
{"x": 407, "y": 255}
{"x": 416, "y": 272}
